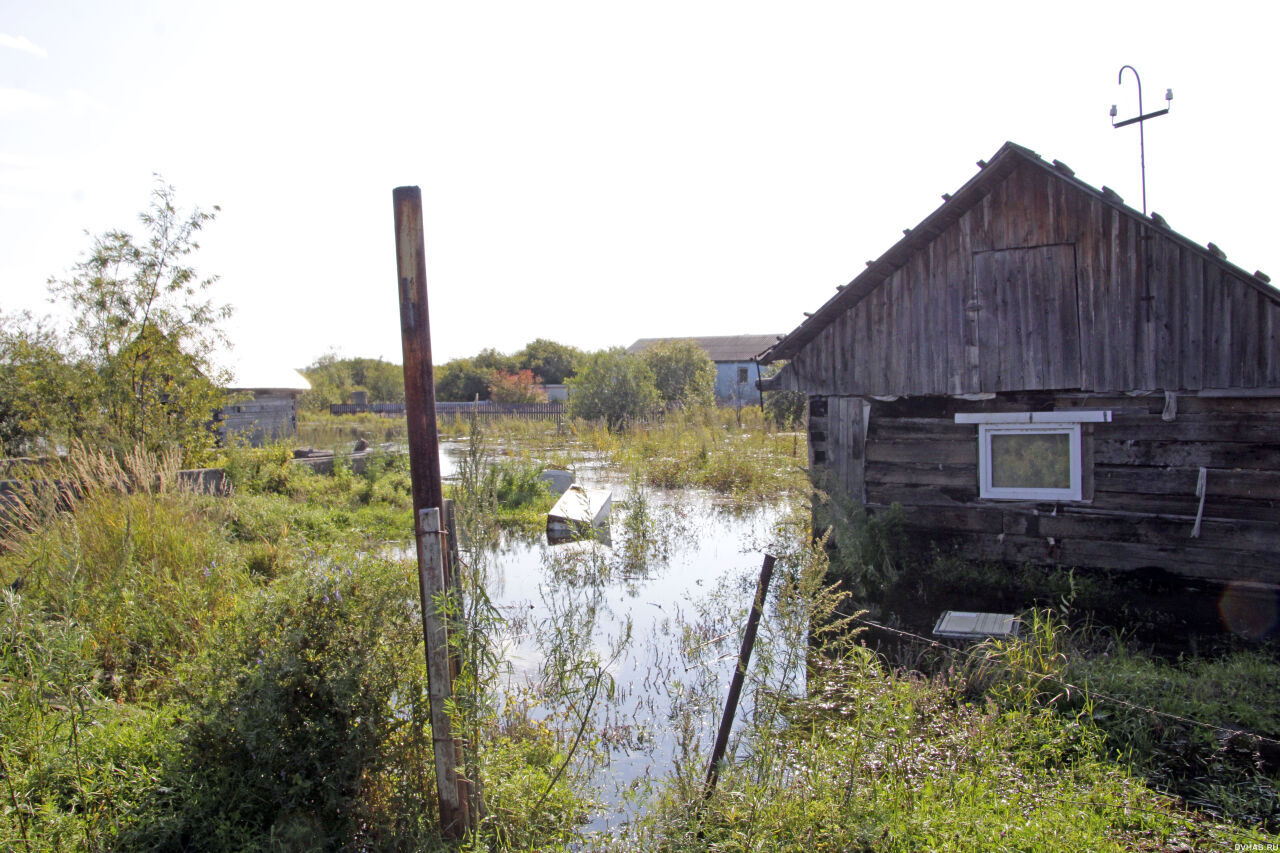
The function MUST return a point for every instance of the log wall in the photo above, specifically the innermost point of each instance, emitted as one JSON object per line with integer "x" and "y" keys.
{"x": 1140, "y": 471}
{"x": 265, "y": 418}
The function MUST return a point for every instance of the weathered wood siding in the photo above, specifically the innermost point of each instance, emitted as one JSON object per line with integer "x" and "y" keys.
{"x": 265, "y": 418}
{"x": 837, "y": 441}
{"x": 1140, "y": 483}
{"x": 1044, "y": 286}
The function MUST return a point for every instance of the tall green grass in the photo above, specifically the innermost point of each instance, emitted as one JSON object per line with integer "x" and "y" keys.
{"x": 183, "y": 671}
{"x": 873, "y": 760}
{"x": 708, "y": 449}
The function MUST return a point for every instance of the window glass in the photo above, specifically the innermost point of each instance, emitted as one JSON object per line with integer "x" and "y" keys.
{"x": 1029, "y": 460}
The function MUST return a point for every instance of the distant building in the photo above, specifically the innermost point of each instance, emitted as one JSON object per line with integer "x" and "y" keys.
{"x": 266, "y": 407}
{"x": 735, "y": 360}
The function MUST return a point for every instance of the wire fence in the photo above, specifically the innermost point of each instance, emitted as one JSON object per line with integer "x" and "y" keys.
{"x": 1084, "y": 691}
{"x": 1094, "y": 695}
{"x": 484, "y": 410}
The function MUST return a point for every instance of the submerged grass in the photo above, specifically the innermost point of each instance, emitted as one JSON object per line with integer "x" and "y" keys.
{"x": 722, "y": 451}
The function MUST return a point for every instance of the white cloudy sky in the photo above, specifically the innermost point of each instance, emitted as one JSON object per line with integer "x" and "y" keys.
{"x": 595, "y": 172}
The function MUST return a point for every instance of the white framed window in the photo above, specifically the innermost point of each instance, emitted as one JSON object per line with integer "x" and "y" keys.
{"x": 1031, "y": 455}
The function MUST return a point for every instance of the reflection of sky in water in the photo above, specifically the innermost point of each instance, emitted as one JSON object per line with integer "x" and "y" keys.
{"x": 695, "y": 546}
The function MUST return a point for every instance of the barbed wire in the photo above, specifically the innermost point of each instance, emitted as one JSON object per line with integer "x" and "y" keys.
{"x": 1089, "y": 692}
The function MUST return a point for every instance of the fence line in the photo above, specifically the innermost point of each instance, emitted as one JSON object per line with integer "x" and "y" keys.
{"x": 485, "y": 410}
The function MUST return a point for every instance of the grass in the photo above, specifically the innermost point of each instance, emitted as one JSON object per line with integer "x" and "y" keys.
{"x": 732, "y": 452}
{"x": 719, "y": 450}
{"x": 873, "y": 760}
{"x": 1233, "y": 777}
{"x": 990, "y": 756}
{"x": 181, "y": 670}
{"x": 1227, "y": 771}
{"x": 339, "y": 433}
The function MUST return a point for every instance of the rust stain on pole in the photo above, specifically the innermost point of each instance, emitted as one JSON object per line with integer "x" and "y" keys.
{"x": 415, "y": 335}
{"x": 424, "y": 469}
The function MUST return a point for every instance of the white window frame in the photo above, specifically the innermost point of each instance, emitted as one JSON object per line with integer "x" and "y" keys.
{"x": 1024, "y": 423}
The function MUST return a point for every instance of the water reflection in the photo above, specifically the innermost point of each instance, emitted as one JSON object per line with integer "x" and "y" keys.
{"x": 637, "y": 632}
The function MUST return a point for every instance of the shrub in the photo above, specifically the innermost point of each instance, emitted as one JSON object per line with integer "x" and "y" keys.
{"x": 613, "y": 386}
{"x": 263, "y": 470}
{"x": 309, "y": 725}
{"x": 519, "y": 387}
{"x": 683, "y": 373}
{"x": 143, "y": 573}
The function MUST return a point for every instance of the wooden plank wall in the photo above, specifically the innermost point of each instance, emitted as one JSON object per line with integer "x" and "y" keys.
{"x": 1151, "y": 312}
{"x": 1142, "y": 493}
{"x": 261, "y": 419}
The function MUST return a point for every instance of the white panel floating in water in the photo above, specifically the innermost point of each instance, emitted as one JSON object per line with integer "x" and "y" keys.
{"x": 579, "y": 513}
{"x": 962, "y": 625}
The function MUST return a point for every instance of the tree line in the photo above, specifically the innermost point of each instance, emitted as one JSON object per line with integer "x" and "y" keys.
{"x": 611, "y": 384}
{"x": 490, "y": 375}
{"x": 135, "y": 367}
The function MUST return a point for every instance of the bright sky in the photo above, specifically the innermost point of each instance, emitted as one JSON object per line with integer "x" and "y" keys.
{"x": 596, "y": 172}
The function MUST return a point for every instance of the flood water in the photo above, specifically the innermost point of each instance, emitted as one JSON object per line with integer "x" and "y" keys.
{"x": 660, "y": 612}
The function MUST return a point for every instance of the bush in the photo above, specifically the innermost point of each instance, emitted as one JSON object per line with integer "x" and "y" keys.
{"x": 683, "y": 373}
{"x": 142, "y": 573}
{"x": 785, "y": 409}
{"x": 72, "y": 757}
{"x": 309, "y": 725}
{"x": 613, "y": 386}
{"x": 262, "y": 470}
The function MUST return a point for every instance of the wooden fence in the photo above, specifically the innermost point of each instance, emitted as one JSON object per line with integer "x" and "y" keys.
{"x": 483, "y": 410}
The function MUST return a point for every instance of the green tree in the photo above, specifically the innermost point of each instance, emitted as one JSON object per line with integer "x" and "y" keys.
{"x": 615, "y": 386}
{"x": 333, "y": 380}
{"x": 462, "y": 380}
{"x": 683, "y": 372}
{"x": 491, "y": 359}
{"x": 145, "y": 326}
{"x": 384, "y": 380}
{"x": 43, "y": 393}
{"x": 551, "y": 362}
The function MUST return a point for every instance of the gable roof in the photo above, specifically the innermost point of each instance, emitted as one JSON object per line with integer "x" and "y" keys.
{"x": 257, "y": 376}
{"x": 719, "y": 348}
{"x": 1009, "y": 157}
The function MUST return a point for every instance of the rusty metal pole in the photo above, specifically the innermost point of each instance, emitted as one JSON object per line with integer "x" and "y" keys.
{"x": 424, "y": 470}
{"x": 739, "y": 675}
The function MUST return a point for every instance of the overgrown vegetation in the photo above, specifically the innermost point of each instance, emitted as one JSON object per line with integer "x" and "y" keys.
{"x": 181, "y": 670}
{"x": 185, "y": 671}
{"x": 703, "y": 449}
{"x": 1198, "y": 727}
{"x": 615, "y": 387}
{"x": 683, "y": 373}
{"x": 135, "y": 366}
{"x": 334, "y": 380}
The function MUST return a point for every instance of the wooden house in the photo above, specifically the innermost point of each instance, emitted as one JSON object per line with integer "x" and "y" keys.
{"x": 1038, "y": 372}
{"x": 734, "y": 356}
{"x": 263, "y": 405}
